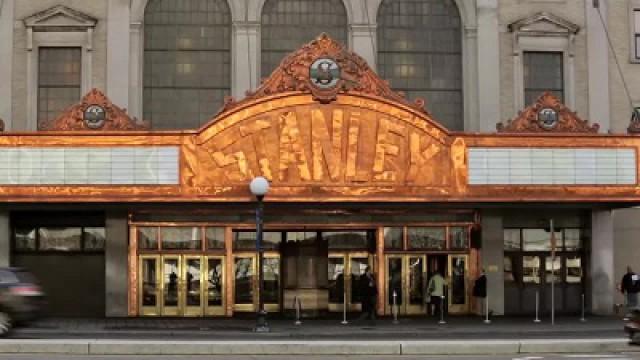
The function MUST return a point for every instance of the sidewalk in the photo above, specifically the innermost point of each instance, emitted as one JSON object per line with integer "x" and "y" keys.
{"x": 412, "y": 336}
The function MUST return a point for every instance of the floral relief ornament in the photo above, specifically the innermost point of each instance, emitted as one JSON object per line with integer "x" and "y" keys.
{"x": 547, "y": 115}
{"x": 94, "y": 112}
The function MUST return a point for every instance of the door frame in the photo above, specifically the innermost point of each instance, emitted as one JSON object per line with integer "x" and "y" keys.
{"x": 348, "y": 279}
{"x": 149, "y": 310}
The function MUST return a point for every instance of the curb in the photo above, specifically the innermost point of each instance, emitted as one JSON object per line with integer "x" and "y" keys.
{"x": 159, "y": 347}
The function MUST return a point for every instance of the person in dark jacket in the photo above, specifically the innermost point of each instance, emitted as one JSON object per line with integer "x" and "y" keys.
{"x": 480, "y": 292}
{"x": 369, "y": 294}
{"x": 629, "y": 286}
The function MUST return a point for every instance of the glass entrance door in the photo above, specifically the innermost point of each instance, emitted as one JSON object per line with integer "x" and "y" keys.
{"x": 405, "y": 279}
{"x": 458, "y": 284}
{"x": 246, "y": 282}
{"x": 345, "y": 271}
{"x": 181, "y": 285}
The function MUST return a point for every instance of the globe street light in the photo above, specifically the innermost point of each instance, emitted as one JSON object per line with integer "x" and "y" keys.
{"x": 259, "y": 187}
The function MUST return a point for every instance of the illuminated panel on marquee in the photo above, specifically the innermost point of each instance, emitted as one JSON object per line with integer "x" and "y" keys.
{"x": 544, "y": 166}
{"x": 149, "y": 165}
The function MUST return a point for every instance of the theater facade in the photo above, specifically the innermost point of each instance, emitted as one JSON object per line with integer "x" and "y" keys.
{"x": 118, "y": 220}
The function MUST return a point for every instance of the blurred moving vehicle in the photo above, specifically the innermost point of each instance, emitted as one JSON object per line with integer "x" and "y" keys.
{"x": 21, "y": 299}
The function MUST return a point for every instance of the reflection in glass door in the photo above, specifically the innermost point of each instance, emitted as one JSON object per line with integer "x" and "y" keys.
{"x": 406, "y": 278}
{"x": 149, "y": 303}
{"x": 271, "y": 281}
{"x": 214, "y": 286}
{"x": 192, "y": 276}
{"x": 171, "y": 284}
{"x": 244, "y": 283}
{"x": 458, "y": 273}
{"x": 345, "y": 272}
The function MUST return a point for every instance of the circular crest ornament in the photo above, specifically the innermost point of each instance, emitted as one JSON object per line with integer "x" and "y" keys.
{"x": 324, "y": 73}
{"x": 94, "y": 116}
{"x": 548, "y": 118}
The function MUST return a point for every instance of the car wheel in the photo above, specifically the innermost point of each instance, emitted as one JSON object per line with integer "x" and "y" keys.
{"x": 5, "y": 323}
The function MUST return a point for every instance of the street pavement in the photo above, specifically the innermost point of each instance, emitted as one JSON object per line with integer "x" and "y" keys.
{"x": 621, "y": 356}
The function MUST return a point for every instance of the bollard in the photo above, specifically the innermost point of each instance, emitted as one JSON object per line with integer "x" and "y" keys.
{"x": 298, "y": 305}
{"x": 486, "y": 310}
{"x": 442, "y": 322}
{"x": 537, "y": 319}
{"x": 395, "y": 308}
{"x": 344, "y": 309}
{"x": 582, "y": 319}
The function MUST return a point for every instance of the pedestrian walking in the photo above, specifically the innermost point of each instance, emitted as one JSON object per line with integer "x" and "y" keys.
{"x": 480, "y": 292}
{"x": 629, "y": 286}
{"x": 369, "y": 294}
{"x": 435, "y": 292}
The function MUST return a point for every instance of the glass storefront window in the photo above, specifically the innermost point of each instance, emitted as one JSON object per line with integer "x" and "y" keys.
{"x": 539, "y": 240}
{"x": 426, "y": 237}
{"x": 556, "y": 276}
{"x": 458, "y": 237}
{"x": 511, "y": 239}
{"x": 94, "y": 238}
{"x": 246, "y": 240}
{"x": 393, "y": 238}
{"x": 346, "y": 239}
{"x": 214, "y": 237}
{"x": 574, "y": 269}
{"x": 531, "y": 269}
{"x": 148, "y": 238}
{"x": 181, "y": 238}
{"x": 572, "y": 240}
{"x": 60, "y": 239}
{"x": 25, "y": 239}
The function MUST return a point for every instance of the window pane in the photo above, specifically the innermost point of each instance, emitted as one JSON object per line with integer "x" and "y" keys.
{"x": 543, "y": 71}
{"x": 393, "y": 238}
{"x": 557, "y": 276}
{"x": 511, "y": 239}
{"x": 637, "y": 46}
{"x": 60, "y": 239}
{"x": 59, "y": 78}
{"x": 458, "y": 237}
{"x": 540, "y": 240}
{"x": 187, "y": 61}
{"x": 348, "y": 239}
{"x": 426, "y": 237}
{"x": 286, "y": 25}
{"x": 247, "y": 240}
{"x": 531, "y": 269}
{"x": 637, "y": 20}
{"x": 508, "y": 269}
{"x": 420, "y": 53}
{"x": 572, "y": 239}
{"x": 574, "y": 269}
{"x": 181, "y": 238}
{"x": 94, "y": 238}
{"x": 148, "y": 238}
{"x": 25, "y": 239}
{"x": 215, "y": 237}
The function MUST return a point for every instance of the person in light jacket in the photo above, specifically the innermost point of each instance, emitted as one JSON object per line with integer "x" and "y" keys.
{"x": 435, "y": 292}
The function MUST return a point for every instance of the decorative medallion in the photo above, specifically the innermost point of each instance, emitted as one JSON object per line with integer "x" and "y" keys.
{"x": 324, "y": 73}
{"x": 324, "y": 68}
{"x": 548, "y": 118}
{"x": 94, "y": 117}
{"x": 94, "y": 112}
{"x": 547, "y": 115}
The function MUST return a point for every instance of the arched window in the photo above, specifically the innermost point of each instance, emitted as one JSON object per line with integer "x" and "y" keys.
{"x": 288, "y": 24}
{"x": 187, "y": 61}
{"x": 420, "y": 53}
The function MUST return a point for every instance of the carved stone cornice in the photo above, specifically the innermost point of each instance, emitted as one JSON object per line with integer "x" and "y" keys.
{"x": 95, "y": 112}
{"x": 294, "y": 75}
{"x": 547, "y": 115}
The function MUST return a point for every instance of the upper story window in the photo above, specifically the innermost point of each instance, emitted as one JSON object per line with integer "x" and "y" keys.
{"x": 543, "y": 71}
{"x": 636, "y": 33}
{"x": 288, "y": 24}
{"x": 187, "y": 61}
{"x": 420, "y": 53}
{"x": 59, "y": 81}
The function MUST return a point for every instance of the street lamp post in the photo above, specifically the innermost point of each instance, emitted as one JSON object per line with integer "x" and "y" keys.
{"x": 259, "y": 187}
